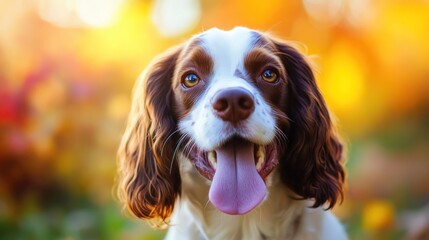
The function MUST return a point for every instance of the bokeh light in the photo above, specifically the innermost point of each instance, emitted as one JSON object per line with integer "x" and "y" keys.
{"x": 67, "y": 68}
{"x": 75, "y": 13}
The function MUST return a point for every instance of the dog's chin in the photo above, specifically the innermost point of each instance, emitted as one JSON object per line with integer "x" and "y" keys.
{"x": 238, "y": 170}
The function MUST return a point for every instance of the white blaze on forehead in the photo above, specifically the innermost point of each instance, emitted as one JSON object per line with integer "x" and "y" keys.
{"x": 227, "y": 48}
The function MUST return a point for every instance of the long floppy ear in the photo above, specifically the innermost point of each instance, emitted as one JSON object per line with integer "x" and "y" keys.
{"x": 312, "y": 159}
{"x": 148, "y": 176}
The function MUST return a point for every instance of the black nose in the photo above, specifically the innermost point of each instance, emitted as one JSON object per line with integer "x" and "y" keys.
{"x": 233, "y": 104}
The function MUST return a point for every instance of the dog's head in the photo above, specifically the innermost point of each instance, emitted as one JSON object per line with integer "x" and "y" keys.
{"x": 238, "y": 104}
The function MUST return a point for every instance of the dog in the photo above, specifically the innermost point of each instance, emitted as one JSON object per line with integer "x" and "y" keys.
{"x": 228, "y": 137}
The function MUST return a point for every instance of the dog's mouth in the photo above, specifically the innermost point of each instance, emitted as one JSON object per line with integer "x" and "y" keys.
{"x": 238, "y": 169}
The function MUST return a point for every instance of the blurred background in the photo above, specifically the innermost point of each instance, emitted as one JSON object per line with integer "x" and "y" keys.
{"x": 67, "y": 68}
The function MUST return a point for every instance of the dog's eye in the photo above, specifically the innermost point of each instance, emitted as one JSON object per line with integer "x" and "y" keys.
{"x": 190, "y": 80}
{"x": 269, "y": 76}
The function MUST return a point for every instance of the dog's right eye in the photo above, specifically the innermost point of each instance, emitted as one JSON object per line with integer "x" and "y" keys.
{"x": 190, "y": 80}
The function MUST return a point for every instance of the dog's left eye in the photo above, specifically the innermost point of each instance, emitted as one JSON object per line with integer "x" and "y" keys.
{"x": 190, "y": 80}
{"x": 269, "y": 76}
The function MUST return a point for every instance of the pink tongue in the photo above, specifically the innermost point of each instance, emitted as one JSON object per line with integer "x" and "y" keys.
{"x": 237, "y": 187}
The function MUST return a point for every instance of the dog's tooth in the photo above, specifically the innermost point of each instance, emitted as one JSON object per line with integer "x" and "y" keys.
{"x": 212, "y": 159}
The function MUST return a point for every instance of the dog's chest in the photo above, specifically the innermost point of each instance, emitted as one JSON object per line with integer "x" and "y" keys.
{"x": 276, "y": 218}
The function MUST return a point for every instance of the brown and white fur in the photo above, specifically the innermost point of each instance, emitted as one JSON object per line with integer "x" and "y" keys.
{"x": 223, "y": 101}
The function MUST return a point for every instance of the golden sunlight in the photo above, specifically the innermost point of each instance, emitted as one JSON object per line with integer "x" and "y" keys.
{"x": 343, "y": 77}
{"x": 77, "y": 13}
{"x": 174, "y": 18}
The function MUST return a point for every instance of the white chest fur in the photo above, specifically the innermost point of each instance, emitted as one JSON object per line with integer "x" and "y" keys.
{"x": 278, "y": 217}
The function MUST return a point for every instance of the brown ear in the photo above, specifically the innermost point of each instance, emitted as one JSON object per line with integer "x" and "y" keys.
{"x": 148, "y": 175}
{"x": 312, "y": 159}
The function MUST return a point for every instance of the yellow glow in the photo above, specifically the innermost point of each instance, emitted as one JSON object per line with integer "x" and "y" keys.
{"x": 400, "y": 36}
{"x": 129, "y": 38}
{"x": 378, "y": 216}
{"x": 344, "y": 77}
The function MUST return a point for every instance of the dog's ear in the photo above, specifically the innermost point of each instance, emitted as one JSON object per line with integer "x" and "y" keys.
{"x": 148, "y": 173}
{"x": 312, "y": 159}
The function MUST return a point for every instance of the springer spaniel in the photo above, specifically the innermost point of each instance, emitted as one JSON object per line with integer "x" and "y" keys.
{"x": 229, "y": 138}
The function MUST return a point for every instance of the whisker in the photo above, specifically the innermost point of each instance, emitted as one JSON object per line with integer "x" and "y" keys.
{"x": 166, "y": 139}
{"x": 176, "y": 149}
{"x": 188, "y": 147}
{"x": 281, "y": 115}
{"x": 194, "y": 144}
{"x": 280, "y": 136}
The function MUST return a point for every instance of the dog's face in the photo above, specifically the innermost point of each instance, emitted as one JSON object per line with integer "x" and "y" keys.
{"x": 229, "y": 87}
{"x": 237, "y": 104}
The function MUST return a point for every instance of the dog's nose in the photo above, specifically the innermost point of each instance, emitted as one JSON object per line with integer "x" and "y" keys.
{"x": 233, "y": 104}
